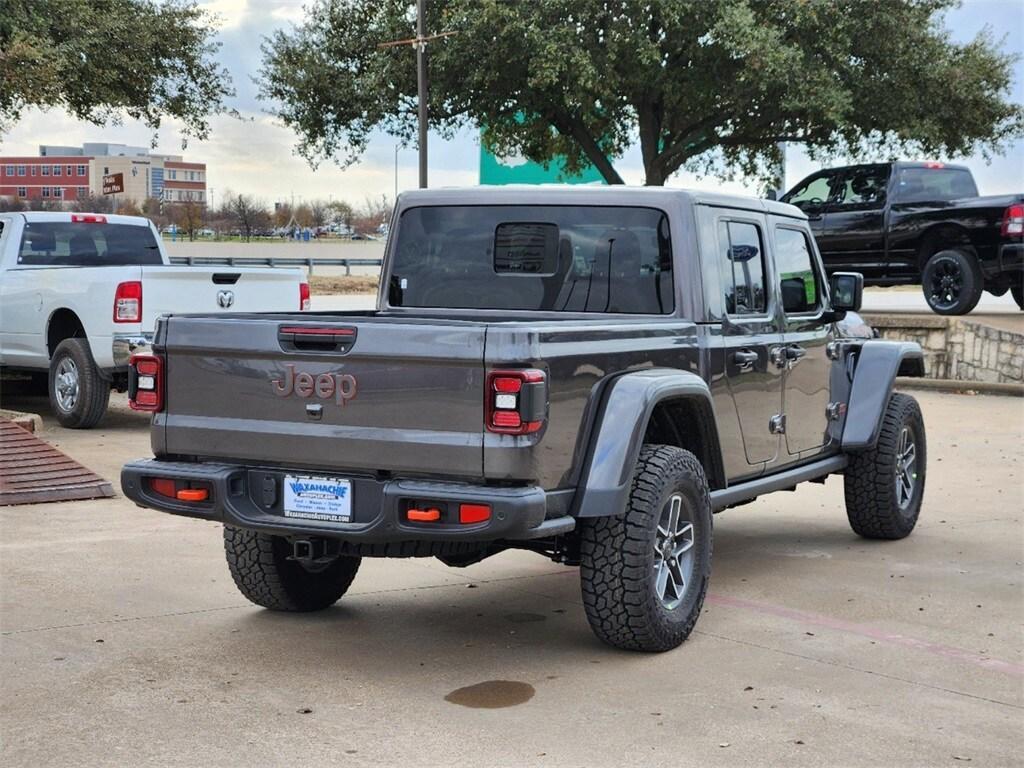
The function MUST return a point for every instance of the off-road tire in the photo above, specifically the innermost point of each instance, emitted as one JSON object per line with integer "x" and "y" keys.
{"x": 968, "y": 273}
{"x": 1017, "y": 289}
{"x": 262, "y": 572}
{"x": 617, "y": 556}
{"x": 872, "y": 505}
{"x": 93, "y": 389}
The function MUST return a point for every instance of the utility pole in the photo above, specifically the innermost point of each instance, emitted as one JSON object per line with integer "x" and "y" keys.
{"x": 421, "y": 84}
{"x": 396, "y": 171}
{"x": 420, "y": 43}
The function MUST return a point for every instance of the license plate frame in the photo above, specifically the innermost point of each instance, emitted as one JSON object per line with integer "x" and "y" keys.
{"x": 317, "y": 497}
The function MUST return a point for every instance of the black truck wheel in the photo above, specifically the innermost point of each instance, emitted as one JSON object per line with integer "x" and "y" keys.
{"x": 78, "y": 392}
{"x": 260, "y": 565}
{"x": 1017, "y": 289}
{"x": 952, "y": 282}
{"x": 645, "y": 573}
{"x": 884, "y": 486}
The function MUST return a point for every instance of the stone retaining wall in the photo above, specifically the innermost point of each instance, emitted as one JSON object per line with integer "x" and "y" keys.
{"x": 958, "y": 347}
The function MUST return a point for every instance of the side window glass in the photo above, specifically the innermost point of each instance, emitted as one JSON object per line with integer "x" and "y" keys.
{"x": 864, "y": 187}
{"x": 798, "y": 278}
{"x": 743, "y": 259}
{"x": 814, "y": 193}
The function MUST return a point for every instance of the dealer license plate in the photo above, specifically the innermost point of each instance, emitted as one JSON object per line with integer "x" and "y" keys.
{"x": 318, "y": 498}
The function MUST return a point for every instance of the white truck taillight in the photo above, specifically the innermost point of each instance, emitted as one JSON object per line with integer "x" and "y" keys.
{"x": 516, "y": 401}
{"x": 1013, "y": 220}
{"x": 146, "y": 383}
{"x": 303, "y": 297}
{"x": 128, "y": 302}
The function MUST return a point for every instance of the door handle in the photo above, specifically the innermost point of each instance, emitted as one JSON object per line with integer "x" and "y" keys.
{"x": 795, "y": 352}
{"x": 745, "y": 359}
{"x": 787, "y": 357}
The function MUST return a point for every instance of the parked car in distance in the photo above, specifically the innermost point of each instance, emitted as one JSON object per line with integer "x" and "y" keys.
{"x": 80, "y": 293}
{"x": 921, "y": 224}
{"x": 586, "y": 373}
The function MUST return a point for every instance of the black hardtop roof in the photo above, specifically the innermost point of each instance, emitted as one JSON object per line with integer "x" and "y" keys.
{"x": 569, "y": 194}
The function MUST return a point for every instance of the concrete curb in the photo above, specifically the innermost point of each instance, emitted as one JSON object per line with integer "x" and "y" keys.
{"x": 955, "y": 385}
{"x": 28, "y": 421}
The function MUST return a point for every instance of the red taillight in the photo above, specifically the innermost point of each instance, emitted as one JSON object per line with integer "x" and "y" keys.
{"x": 934, "y": 164}
{"x": 1013, "y": 220}
{"x": 146, "y": 383}
{"x": 474, "y": 513}
{"x": 303, "y": 297}
{"x": 516, "y": 401}
{"x": 128, "y": 302}
{"x": 88, "y": 218}
{"x": 163, "y": 485}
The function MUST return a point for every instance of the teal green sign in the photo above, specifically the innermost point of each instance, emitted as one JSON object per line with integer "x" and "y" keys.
{"x": 519, "y": 170}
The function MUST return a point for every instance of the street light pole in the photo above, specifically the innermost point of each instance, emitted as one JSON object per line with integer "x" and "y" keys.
{"x": 421, "y": 85}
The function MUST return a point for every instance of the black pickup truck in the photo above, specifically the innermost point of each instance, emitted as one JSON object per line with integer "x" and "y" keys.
{"x": 586, "y": 373}
{"x": 917, "y": 224}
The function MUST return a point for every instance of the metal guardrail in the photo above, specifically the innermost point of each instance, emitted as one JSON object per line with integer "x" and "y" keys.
{"x": 256, "y": 261}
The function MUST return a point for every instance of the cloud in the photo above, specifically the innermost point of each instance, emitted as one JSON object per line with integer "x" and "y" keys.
{"x": 256, "y": 154}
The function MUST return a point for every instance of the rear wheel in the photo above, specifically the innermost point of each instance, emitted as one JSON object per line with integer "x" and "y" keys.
{"x": 952, "y": 282}
{"x": 885, "y": 485}
{"x": 644, "y": 573}
{"x": 265, "y": 574}
{"x": 79, "y": 393}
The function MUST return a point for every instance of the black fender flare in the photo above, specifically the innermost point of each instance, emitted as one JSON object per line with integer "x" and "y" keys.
{"x": 878, "y": 364}
{"x": 619, "y": 432}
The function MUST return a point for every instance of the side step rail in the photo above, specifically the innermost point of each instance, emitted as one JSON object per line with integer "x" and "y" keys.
{"x": 735, "y": 494}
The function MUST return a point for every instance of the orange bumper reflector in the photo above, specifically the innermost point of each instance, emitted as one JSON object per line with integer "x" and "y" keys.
{"x": 192, "y": 494}
{"x": 474, "y": 513}
{"x": 424, "y": 515}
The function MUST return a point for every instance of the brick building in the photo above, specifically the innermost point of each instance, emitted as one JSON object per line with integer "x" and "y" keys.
{"x": 68, "y": 173}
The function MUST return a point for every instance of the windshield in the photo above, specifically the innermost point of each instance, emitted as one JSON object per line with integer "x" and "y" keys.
{"x": 550, "y": 258}
{"x": 87, "y": 244}
{"x": 934, "y": 184}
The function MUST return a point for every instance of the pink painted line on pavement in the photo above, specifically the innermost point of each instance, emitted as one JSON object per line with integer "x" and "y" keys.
{"x": 819, "y": 620}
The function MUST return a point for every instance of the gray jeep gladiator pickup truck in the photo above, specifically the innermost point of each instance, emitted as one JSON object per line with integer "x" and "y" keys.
{"x": 587, "y": 373}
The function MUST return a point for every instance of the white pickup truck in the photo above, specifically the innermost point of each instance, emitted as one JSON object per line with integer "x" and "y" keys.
{"x": 80, "y": 293}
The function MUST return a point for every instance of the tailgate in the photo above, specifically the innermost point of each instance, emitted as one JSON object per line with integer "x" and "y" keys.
{"x": 174, "y": 290}
{"x": 393, "y": 396}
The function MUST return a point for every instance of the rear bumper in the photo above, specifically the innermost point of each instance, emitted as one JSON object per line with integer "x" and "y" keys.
{"x": 123, "y": 346}
{"x": 251, "y": 497}
{"x": 1011, "y": 257}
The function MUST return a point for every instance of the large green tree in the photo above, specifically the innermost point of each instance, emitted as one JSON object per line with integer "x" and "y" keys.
{"x": 102, "y": 60}
{"x": 711, "y": 85}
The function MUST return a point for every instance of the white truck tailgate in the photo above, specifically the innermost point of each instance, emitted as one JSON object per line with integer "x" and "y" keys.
{"x": 179, "y": 290}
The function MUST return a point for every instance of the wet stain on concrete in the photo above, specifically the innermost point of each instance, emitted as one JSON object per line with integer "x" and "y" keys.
{"x": 492, "y": 694}
{"x": 523, "y": 618}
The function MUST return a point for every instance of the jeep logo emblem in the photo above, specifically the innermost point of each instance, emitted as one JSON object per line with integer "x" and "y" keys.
{"x": 341, "y": 387}
{"x": 225, "y": 299}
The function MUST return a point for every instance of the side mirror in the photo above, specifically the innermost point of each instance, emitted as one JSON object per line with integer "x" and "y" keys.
{"x": 772, "y": 194}
{"x": 847, "y": 289}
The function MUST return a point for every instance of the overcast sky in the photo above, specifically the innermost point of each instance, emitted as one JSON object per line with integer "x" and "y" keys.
{"x": 256, "y": 155}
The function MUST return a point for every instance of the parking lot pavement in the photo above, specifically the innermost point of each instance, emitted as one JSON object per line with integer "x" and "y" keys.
{"x": 124, "y": 642}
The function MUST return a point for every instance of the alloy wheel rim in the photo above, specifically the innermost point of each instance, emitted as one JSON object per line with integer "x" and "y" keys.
{"x": 65, "y": 384}
{"x": 906, "y": 468}
{"x": 673, "y": 553}
{"x": 946, "y": 284}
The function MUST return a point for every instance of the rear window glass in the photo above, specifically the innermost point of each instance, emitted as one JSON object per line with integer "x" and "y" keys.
{"x": 550, "y": 258}
{"x": 934, "y": 184}
{"x": 87, "y": 244}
